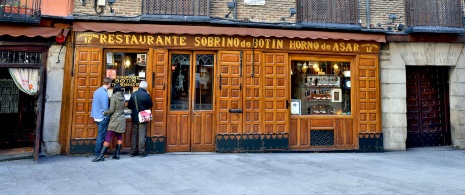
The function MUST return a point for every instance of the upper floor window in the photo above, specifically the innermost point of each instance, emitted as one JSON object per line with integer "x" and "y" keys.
{"x": 434, "y": 13}
{"x": 328, "y": 11}
{"x": 176, "y": 7}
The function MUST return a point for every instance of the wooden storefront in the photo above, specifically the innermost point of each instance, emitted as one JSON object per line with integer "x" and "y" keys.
{"x": 231, "y": 92}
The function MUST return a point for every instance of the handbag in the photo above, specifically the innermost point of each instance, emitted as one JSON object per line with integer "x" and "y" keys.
{"x": 144, "y": 115}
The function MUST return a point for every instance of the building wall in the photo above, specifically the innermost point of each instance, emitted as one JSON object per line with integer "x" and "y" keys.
{"x": 379, "y": 12}
{"x": 122, "y": 8}
{"x": 57, "y": 8}
{"x": 53, "y": 99}
{"x": 394, "y": 58}
{"x": 272, "y": 11}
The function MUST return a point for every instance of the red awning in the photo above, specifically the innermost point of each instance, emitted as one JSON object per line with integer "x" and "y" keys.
{"x": 226, "y": 31}
{"x": 29, "y": 31}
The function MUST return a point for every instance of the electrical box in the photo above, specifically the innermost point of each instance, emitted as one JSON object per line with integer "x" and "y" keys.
{"x": 101, "y": 2}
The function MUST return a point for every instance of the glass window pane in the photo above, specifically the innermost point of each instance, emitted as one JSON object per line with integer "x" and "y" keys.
{"x": 180, "y": 69}
{"x": 321, "y": 87}
{"x": 203, "y": 82}
{"x": 126, "y": 70}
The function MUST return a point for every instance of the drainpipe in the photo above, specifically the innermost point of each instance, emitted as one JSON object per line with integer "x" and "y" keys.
{"x": 368, "y": 13}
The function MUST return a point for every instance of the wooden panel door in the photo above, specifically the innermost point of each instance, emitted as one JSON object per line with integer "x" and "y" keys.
{"x": 203, "y": 113}
{"x": 252, "y": 93}
{"x": 229, "y": 95}
{"x": 427, "y": 106}
{"x": 159, "y": 61}
{"x": 87, "y": 79}
{"x": 276, "y": 93}
{"x": 178, "y": 122}
{"x": 368, "y": 96}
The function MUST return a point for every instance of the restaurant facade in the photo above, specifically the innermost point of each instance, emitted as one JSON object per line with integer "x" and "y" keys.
{"x": 229, "y": 89}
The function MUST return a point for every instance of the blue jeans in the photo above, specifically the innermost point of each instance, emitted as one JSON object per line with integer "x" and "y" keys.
{"x": 102, "y": 131}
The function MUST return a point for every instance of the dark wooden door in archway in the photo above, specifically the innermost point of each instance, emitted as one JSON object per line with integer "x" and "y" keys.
{"x": 427, "y": 106}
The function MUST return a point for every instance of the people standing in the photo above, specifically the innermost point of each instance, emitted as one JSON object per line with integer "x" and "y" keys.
{"x": 117, "y": 125}
{"x": 99, "y": 105}
{"x": 139, "y": 130}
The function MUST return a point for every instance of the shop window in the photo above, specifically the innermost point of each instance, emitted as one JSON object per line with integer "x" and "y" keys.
{"x": 320, "y": 88}
{"x": 126, "y": 69}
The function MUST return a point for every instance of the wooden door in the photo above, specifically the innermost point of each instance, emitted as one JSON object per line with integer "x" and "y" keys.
{"x": 229, "y": 96}
{"x": 276, "y": 93}
{"x": 87, "y": 79}
{"x": 178, "y": 122}
{"x": 427, "y": 106}
{"x": 158, "y": 82}
{"x": 202, "y": 87}
{"x": 252, "y": 92}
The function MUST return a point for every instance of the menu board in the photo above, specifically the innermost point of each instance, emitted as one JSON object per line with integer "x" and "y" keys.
{"x": 9, "y": 96}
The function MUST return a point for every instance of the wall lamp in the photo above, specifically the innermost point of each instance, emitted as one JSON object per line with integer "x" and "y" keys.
{"x": 232, "y": 8}
{"x": 292, "y": 12}
{"x": 110, "y": 3}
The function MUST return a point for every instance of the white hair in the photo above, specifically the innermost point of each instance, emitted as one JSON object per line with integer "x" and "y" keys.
{"x": 143, "y": 85}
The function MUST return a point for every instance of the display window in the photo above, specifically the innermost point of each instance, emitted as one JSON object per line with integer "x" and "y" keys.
{"x": 320, "y": 87}
{"x": 126, "y": 69}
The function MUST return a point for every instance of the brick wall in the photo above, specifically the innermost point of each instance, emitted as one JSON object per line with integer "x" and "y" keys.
{"x": 272, "y": 11}
{"x": 380, "y": 10}
{"x": 124, "y": 8}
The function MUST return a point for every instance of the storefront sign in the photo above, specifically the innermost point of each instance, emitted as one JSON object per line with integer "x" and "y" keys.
{"x": 119, "y": 39}
{"x": 127, "y": 81}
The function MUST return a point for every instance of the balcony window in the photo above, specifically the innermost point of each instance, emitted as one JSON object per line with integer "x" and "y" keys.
{"x": 176, "y": 7}
{"x": 434, "y": 16}
{"x": 20, "y": 11}
{"x": 328, "y": 11}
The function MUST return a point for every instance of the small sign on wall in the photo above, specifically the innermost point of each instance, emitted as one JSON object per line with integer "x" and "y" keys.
{"x": 254, "y": 2}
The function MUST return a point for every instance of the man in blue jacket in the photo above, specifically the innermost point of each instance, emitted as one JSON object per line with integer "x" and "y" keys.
{"x": 100, "y": 104}
{"x": 139, "y": 130}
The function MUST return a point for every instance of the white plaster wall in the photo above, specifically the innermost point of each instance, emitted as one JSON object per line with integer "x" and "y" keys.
{"x": 393, "y": 60}
{"x": 53, "y": 99}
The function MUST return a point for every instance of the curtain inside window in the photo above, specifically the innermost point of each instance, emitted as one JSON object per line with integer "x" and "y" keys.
{"x": 26, "y": 79}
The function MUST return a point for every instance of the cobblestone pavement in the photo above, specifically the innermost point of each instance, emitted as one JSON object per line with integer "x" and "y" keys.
{"x": 432, "y": 170}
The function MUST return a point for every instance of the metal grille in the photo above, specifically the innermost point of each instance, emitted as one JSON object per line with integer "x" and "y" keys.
{"x": 176, "y": 7}
{"x": 321, "y": 137}
{"x": 20, "y": 57}
{"x": 327, "y": 11}
{"x": 27, "y": 11}
{"x": 434, "y": 13}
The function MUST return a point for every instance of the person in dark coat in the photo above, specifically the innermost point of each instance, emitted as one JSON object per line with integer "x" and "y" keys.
{"x": 117, "y": 125}
{"x": 139, "y": 130}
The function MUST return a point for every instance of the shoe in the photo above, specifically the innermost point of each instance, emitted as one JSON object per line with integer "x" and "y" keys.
{"x": 102, "y": 155}
{"x": 118, "y": 149}
{"x": 134, "y": 154}
{"x": 142, "y": 154}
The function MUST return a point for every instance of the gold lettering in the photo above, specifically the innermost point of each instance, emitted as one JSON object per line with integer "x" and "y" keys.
{"x": 197, "y": 41}
{"x": 111, "y": 38}
{"x": 143, "y": 39}
{"x": 217, "y": 41}
{"x": 127, "y": 38}
{"x": 204, "y": 41}
{"x": 119, "y": 39}
{"x": 150, "y": 40}
{"x": 356, "y": 47}
{"x": 159, "y": 41}
{"x": 237, "y": 42}
{"x": 182, "y": 41}
{"x": 167, "y": 40}
{"x": 267, "y": 45}
{"x": 134, "y": 39}
{"x": 348, "y": 47}
{"x": 230, "y": 42}
{"x": 292, "y": 44}
{"x": 336, "y": 47}
{"x": 280, "y": 44}
{"x": 210, "y": 41}
{"x": 304, "y": 45}
{"x": 103, "y": 39}
{"x": 175, "y": 38}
